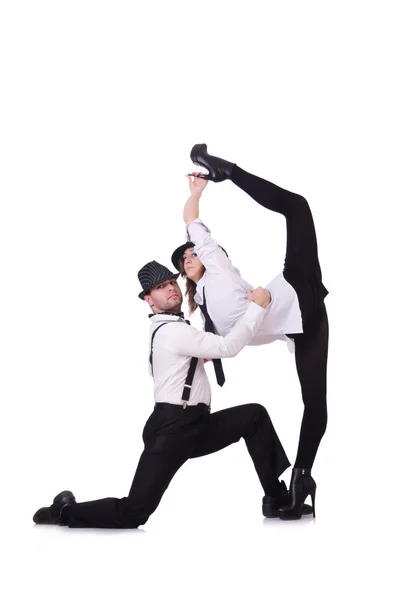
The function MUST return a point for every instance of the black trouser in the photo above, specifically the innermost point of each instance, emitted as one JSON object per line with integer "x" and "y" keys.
{"x": 171, "y": 436}
{"x": 302, "y": 270}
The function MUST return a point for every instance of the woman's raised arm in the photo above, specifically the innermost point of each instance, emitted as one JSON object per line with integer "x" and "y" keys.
{"x": 191, "y": 209}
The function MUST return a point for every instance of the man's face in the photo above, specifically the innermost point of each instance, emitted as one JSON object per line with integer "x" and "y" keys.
{"x": 165, "y": 297}
{"x": 192, "y": 265}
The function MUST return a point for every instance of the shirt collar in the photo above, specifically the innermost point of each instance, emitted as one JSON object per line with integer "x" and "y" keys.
{"x": 174, "y": 314}
{"x": 168, "y": 316}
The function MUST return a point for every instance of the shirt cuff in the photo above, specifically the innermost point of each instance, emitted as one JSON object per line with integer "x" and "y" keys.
{"x": 199, "y": 222}
{"x": 254, "y": 310}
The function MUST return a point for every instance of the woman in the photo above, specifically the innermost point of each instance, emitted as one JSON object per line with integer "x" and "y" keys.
{"x": 296, "y": 313}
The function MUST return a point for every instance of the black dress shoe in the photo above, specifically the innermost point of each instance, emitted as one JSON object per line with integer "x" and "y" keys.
{"x": 302, "y": 485}
{"x": 52, "y": 515}
{"x": 219, "y": 169}
{"x": 272, "y": 504}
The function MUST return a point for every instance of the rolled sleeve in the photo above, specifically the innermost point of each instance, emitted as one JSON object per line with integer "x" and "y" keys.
{"x": 207, "y": 249}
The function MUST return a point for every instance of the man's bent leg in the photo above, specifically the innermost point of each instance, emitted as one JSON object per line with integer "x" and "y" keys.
{"x": 251, "y": 422}
{"x": 152, "y": 477}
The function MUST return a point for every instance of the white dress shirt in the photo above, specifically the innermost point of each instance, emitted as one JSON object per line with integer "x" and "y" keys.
{"x": 226, "y": 293}
{"x": 177, "y": 342}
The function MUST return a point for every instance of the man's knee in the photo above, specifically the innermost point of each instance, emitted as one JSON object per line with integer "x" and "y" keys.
{"x": 259, "y": 414}
{"x": 134, "y": 515}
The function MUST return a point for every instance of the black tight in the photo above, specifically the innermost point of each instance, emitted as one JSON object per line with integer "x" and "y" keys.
{"x": 302, "y": 270}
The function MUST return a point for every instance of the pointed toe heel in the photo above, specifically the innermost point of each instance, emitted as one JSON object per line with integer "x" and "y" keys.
{"x": 302, "y": 486}
{"x": 218, "y": 168}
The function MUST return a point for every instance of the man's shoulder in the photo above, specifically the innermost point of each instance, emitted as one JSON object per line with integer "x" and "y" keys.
{"x": 168, "y": 327}
{"x": 171, "y": 335}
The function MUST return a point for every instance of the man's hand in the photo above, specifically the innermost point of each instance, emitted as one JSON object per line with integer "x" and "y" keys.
{"x": 197, "y": 184}
{"x": 207, "y": 360}
{"x": 260, "y": 296}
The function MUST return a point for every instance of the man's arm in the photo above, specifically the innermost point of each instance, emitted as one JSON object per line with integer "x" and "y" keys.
{"x": 188, "y": 341}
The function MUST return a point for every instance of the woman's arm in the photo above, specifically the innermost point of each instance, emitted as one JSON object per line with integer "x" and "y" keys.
{"x": 209, "y": 252}
{"x": 191, "y": 208}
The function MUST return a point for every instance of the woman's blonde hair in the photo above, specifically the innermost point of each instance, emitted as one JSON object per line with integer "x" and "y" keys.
{"x": 191, "y": 286}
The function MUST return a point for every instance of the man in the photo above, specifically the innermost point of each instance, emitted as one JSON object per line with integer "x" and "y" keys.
{"x": 181, "y": 425}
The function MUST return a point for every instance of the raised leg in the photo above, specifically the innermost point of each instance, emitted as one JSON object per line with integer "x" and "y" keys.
{"x": 301, "y": 252}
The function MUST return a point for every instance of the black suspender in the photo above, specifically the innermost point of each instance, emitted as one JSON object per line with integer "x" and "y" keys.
{"x": 151, "y": 345}
{"x": 189, "y": 379}
{"x": 193, "y": 364}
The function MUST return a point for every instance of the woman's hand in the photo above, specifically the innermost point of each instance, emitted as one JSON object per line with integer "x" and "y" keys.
{"x": 260, "y": 296}
{"x": 197, "y": 184}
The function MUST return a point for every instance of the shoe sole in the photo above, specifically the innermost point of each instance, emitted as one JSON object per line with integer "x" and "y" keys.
{"x": 296, "y": 517}
{"x": 274, "y": 513}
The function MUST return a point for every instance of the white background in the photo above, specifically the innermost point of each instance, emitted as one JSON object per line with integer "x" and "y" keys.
{"x": 101, "y": 103}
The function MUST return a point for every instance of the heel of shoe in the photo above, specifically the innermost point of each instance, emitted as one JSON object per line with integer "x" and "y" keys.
{"x": 219, "y": 169}
{"x": 313, "y": 497}
{"x": 302, "y": 486}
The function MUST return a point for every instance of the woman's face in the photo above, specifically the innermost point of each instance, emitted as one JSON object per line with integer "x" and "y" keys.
{"x": 192, "y": 265}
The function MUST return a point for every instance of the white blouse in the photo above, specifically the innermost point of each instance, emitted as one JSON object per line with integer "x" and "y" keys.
{"x": 226, "y": 293}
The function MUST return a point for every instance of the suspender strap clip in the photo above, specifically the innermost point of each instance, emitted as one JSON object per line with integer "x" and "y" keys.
{"x": 189, "y": 379}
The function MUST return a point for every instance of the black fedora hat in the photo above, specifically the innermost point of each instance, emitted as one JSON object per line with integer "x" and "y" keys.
{"x": 178, "y": 253}
{"x": 152, "y": 274}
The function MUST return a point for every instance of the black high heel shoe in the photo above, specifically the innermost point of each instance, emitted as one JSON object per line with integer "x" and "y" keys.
{"x": 272, "y": 504}
{"x": 219, "y": 169}
{"x": 302, "y": 485}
